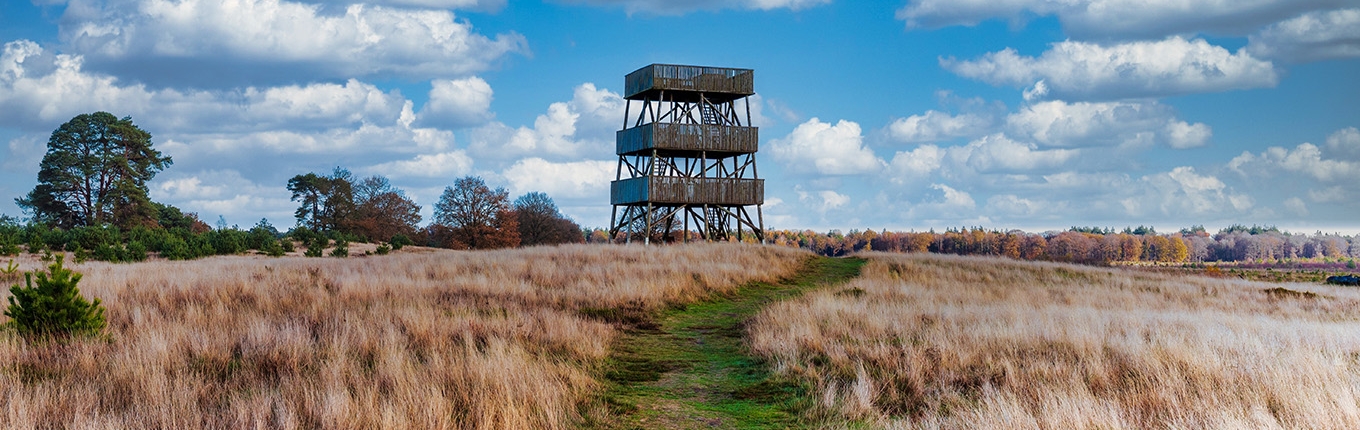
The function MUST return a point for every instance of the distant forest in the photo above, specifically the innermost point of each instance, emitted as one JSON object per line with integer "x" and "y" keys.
{"x": 1085, "y": 245}
{"x": 1088, "y": 245}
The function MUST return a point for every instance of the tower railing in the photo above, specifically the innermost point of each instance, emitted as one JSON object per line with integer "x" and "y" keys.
{"x": 671, "y": 77}
{"x": 675, "y": 190}
{"x": 688, "y": 137}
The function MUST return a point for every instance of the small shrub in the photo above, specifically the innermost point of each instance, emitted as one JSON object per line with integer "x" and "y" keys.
{"x": 383, "y": 249}
{"x": 35, "y": 240}
{"x": 51, "y": 305}
{"x": 260, "y": 236}
{"x": 10, "y": 272}
{"x": 287, "y": 245}
{"x": 272, "y": 248}
{"x": 8, "y": 248}
{"x": 1213, "y": 271}
{"x": 176, "y": 249}
{"x": 200, "y": 246}
{"x": 81, "y": 254}
{"x": 399, "y": 241}
{"x": 341, "y": 249}
{"x": 151, "y": 239}
{"x": 135, "y": 251}
{"x": 227, "y": 241}
{"x": 315, "y": 248}
{"x": 1350, "y": 264}
{"x": 107, "y": 252}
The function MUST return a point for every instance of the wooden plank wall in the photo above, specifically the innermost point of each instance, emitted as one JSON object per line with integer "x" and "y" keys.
{"x": 688, "y": 137}
{"x": 696, "y": 191}
{"x": 690, "y": 78}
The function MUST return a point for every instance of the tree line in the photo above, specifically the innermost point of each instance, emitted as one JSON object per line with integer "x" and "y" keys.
{"x": 92, "y": 199}
{"x": 468, "y": 215}
{"x": 1088, "y": 245}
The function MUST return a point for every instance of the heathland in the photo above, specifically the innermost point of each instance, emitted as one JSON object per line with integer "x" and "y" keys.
{"x": 692, "y": 336}
{"x": 938, "y": 341}
{"x": 438, "y": 339}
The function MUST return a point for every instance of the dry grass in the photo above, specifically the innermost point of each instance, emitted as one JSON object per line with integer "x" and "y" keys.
{"x": 931, "y": 341}
{"x": 411, "y": 340}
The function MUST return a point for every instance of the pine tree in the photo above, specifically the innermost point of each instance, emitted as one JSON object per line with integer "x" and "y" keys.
{"x": 52, "y": 305}
{"x": 95, "y": 172}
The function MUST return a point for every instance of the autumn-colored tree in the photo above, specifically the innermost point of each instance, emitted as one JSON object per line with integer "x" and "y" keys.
{"x": 598, "y": 236}
{"x": 1109, "y": 249}
{"x": 540, "y": 222}
{"x": 382, "y": 211}
{"x": 920, "y": 242}
{"x": 1008, "y": 245}
{"x": 1071, "y": 246}
{"x": 1158, "y": 248}
{"x": 1179, "y": 250}
{"x": 1132, "y": 247}
{"x": 1032, "y": 247}
{"x": 477, "y": 216}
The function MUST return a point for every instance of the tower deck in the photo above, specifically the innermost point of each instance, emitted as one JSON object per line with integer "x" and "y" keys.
{"x": 684, "y": 84}
{"x": 664, "y": 190}
{"x": 717, "y": 141}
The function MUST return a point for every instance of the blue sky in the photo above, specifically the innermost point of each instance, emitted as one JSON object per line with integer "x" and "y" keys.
{"x": 909, "y": 114}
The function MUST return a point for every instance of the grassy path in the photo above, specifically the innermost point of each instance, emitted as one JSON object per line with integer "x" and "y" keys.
{"x": 689, "y": 367}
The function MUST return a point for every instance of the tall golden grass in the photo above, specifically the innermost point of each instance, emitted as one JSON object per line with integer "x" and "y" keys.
{"x": 934, "y": 341}
{"x": 484, "y": 340}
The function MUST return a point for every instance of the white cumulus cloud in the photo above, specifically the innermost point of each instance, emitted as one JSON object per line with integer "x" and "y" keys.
{"x": 1184, "y": 192}
{"x": 44, "y": 90}
{"x": 673, "y": 7}
{"x": 916, "y": 163}
{"x": 997, "y": 153}
{"x": 934, "y": 126}
{"x": 827, "y": 149}
{"x": 1318, "y": 35}
{"x": 1016, "y": 206}
{"x": 485, "y": 5}
{"x": 1081, "y": 124}
{"x": 1345, "y": 143}
{"x": 822, "y": 201}
{"x": 1090, "y": 71}
{"x": 210, "y": 43}
{"x": 224, "y": 192}
{"x": 1306, "y": 159}
{"x": 1115, "y": 19}
{"x": 448, "y": 165}
{"x": 457, "y": 103}
{"x": 943, "y": 202}
{"x": 562, "y": 180}
{"x": 582, "y": 127}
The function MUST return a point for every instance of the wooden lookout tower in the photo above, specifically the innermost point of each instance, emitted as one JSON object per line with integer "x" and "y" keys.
{"x": 688, "y": 156}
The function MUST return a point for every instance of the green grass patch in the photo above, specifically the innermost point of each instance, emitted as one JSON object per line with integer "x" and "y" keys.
{"x": 689, "y": 366}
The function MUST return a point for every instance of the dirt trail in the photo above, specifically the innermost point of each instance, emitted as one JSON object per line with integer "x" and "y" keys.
{"x": 690, "y": 368}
